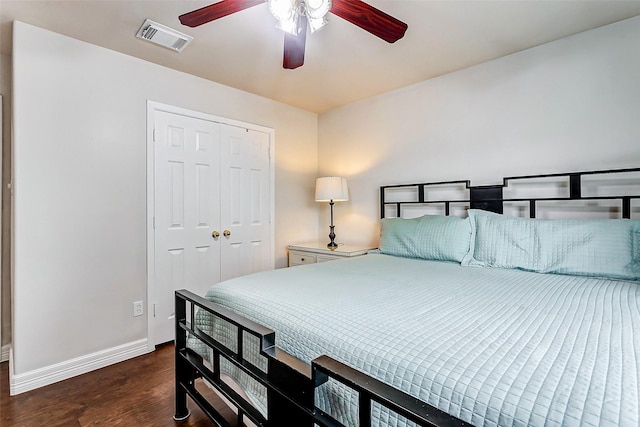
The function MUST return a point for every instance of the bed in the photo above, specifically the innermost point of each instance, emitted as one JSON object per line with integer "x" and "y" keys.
{"x": 478, "y": 319}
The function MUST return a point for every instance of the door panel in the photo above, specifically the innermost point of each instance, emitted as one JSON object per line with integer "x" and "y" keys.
{"x": 186, "y": 212}
{"x": 244, "y": 188}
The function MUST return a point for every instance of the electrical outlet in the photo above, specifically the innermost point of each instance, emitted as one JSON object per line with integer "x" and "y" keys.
{"x": 138, "y": 308}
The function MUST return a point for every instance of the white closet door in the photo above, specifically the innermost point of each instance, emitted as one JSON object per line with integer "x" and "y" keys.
{"x": 245, "y": 206}
{"x": 187, "y": 174}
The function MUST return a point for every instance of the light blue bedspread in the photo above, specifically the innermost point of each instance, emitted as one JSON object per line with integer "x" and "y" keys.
{"x": 487, "y": 345}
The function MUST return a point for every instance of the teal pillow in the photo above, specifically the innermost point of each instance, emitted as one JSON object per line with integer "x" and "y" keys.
{"x": 600, "y": 248}
{"x": 503, "y": 242}
{"x": 432, "y": 237}
{"x": 590, "y": 247}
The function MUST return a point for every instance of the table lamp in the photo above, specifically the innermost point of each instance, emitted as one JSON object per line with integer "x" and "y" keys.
{"x": 332, "y": 189}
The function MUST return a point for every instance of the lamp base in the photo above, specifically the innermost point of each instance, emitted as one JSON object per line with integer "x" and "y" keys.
{"x": 332, "y": 236}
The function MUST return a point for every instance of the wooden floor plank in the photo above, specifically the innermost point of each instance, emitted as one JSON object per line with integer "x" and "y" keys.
{"x": 137, "y": 392}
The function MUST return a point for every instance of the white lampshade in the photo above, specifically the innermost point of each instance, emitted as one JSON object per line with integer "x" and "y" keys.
{"x": 332, "y": 188}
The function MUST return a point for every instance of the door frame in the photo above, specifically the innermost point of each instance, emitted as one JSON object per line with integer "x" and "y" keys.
{"x": 152, "y": 108}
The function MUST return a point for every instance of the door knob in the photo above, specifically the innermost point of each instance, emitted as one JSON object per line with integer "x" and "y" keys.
{"x": 215, "y": 234}
{"x": 226, "y": 233}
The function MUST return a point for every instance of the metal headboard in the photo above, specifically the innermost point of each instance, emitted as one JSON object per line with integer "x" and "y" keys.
{"x": 490, "y": 197}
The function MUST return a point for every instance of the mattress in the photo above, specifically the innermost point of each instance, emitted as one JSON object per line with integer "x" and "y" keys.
{"x": 489, "y": 346}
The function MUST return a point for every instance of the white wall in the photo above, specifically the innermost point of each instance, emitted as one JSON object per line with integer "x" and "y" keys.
{"x": 569, "y": 105}
{"x": 80, "y": 190}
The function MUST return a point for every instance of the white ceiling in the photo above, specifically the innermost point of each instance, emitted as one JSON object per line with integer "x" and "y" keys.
{"x": 343, "y": 63}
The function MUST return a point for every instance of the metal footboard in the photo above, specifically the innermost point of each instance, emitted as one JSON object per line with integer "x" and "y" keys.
{"x": 290, "y": 383}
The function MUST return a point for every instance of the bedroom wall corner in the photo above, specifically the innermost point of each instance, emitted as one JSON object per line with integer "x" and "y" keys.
{"x": 568, "y": 105}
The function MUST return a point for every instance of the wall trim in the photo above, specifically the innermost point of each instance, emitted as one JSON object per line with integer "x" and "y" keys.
{"x": 4, "y": 353}
{"x": 80, "y": 365}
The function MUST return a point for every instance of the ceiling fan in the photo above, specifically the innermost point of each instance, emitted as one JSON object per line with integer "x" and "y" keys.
{"x": 294, "y": 15}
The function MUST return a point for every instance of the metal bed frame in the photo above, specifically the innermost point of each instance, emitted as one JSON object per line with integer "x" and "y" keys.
{"x": 290, "y": 383}
{"x": 490, "y": 197}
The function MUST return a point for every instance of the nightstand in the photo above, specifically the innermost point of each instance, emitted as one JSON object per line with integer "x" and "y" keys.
{"x": 311, "y": 253}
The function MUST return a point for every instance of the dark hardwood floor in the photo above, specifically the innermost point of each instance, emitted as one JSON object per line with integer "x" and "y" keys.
{"x": 137, "y": 392}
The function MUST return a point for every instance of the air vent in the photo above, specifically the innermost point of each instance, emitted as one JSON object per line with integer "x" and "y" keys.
{"x": 164, "y": 36}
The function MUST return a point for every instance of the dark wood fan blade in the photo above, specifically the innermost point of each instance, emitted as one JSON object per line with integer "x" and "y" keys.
{"x": 215, "y": 11}
{"x": 369, "y": 19}
{"x": 294, "y": 46}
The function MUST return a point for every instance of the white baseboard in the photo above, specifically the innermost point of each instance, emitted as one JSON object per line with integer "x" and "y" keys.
{"x": 4, "y": 353}
{"x": 31, "y": 380}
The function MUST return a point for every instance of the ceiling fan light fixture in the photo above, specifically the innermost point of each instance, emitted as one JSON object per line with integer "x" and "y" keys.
{"x": 317, "y": 9}
{"x": 289, "y": 25}
{"x": 288, "y": 13}
{"x": 316, "y": 23}
{"x": 282, "y": 10}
